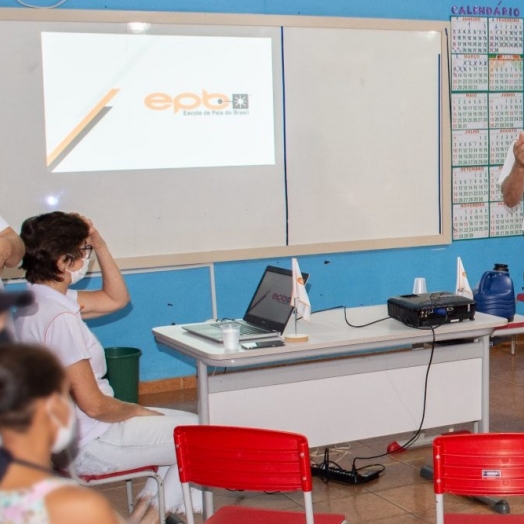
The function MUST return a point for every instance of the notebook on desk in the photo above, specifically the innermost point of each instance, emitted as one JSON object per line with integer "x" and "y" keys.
{"x": 267, "y": 314}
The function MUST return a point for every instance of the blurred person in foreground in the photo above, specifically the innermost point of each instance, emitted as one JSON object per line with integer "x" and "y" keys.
{"x": 36, "y": 420}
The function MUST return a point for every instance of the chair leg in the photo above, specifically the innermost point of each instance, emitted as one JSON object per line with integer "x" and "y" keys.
{"x": 513, "y": 344}
{"x": 129, "y": 491}
{"x": 161, "y": 499}
{"x": 160, "y": 493}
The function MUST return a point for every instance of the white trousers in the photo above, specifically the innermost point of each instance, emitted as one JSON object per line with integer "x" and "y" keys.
{"x": 137, "y": 442}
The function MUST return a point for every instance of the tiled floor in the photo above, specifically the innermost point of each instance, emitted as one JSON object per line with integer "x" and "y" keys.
{"x": 400, "y": 495}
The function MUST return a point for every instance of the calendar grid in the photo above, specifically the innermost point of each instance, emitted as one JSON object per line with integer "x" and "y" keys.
{"x": 486, "y": 116}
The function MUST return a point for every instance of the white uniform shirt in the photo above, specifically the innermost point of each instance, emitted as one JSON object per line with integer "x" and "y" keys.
{"x": 506, "y": 168}
{"x": 54, "y": 320}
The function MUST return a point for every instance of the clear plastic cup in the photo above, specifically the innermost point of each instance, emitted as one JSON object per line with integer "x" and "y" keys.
{"x": 419, "y": 286}
{"x": 230, "y": 335}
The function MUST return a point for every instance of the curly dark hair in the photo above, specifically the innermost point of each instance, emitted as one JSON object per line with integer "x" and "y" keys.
{"x": 49, "y": 237}
{"x": 27, "y": 372}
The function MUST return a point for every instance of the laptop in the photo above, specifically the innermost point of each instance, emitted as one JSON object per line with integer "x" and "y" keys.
{"x": 268, "y": 312}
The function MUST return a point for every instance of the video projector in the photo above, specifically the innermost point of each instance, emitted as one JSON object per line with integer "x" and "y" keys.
{"x": 431, "y": 309}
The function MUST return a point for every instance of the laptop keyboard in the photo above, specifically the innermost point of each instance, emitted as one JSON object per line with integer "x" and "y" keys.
{"x": 250, "y": 330}
{"x": 245, "y": 329}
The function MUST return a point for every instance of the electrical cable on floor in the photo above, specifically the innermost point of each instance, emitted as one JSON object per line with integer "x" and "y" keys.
{"x": 329, "y": 470}
{"x": 416, "y": 435}
{"x": 341, "y": 450}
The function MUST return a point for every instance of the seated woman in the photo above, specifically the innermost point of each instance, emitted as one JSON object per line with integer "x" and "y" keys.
{"x": 37, "y": 417}
{"x": 112, "y": 435}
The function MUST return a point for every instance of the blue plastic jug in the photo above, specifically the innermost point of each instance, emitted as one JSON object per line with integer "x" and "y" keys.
{"x": 495, "y": 294}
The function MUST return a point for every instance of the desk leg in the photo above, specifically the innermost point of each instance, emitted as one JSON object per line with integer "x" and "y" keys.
{"x": 483, "y": 426}
{"x": 203, "y": 393}
{"x": 203, "y": 418}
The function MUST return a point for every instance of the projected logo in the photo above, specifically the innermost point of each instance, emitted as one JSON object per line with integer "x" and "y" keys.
{"x": 75, "y": 136}
{"x": 117, "y": 102}
{"x": 240, "y": 102}
{"x": 204, "y": 103}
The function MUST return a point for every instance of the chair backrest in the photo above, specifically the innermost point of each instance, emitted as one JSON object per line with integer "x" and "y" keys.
{"x": 243, "y": 458}
{"x": 477, "y": 464}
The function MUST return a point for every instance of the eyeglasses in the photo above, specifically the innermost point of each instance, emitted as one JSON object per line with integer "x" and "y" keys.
{"x": 88, "y": 250}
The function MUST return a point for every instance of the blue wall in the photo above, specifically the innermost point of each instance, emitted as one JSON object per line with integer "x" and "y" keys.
{"x": 351, "y": 279}
{"x": 404, "y": 9}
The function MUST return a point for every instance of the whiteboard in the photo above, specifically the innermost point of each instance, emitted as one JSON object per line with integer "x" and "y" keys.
{"x": 363, "y": 134}
{"x": 148, "y": 210}
{"x": 359, "y": 159}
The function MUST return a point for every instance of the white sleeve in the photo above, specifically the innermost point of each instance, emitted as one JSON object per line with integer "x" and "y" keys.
{"x": 3, "y": 224}
{"x": 66, "y": 338}
{"x": 508, "y": 164}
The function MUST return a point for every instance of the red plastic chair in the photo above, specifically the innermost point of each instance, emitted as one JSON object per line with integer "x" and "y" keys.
{"x": 127, "y": 476}
{"x": 477, "y": 465}
{"x": 247, "y": 459}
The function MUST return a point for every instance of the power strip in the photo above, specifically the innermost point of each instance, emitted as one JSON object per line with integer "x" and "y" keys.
{"x": 342, "y": 475}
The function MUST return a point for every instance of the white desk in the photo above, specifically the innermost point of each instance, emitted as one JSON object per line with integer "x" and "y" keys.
{"x": 345, "y": 383}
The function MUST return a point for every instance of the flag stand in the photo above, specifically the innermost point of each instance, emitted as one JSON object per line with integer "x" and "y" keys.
{"x": 296, "y": 337}
{"x": 300, "y": 302}
{"x": 462, "y": 286}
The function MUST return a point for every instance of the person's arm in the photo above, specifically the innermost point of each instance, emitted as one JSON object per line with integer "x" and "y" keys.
{"x": 67, "y": 338}
{"x": 12, "y": 248}
{"x": 113, "y": 295}
{"x": 512, "y": 186}
{"x": 94, "y": 403}
{"x": 81, "y": 506}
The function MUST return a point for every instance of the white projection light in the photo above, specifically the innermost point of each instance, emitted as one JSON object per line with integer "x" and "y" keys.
{"x": 138, "y": 27}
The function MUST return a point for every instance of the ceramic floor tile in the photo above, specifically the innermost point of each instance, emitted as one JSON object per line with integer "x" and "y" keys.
{"x": 512, "y": 372}
{"x": 506, "y": 393}
{"x": 398, "y": 475}
{"x": 459, "y": 505}
{"x": 366, "y": 507}
{"x": 409, "y": 518}
{"x": 415, "y": 499}
{"x": 505, "y": 418}
{"x": 323, "y": 491}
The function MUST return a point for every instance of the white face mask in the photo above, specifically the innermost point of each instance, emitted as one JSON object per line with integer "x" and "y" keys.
{"x": 65, "y": 434}
{"x": 79, "y": 274}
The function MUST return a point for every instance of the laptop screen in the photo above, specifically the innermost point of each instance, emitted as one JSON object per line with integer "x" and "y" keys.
{"x": 271, "y": 305}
